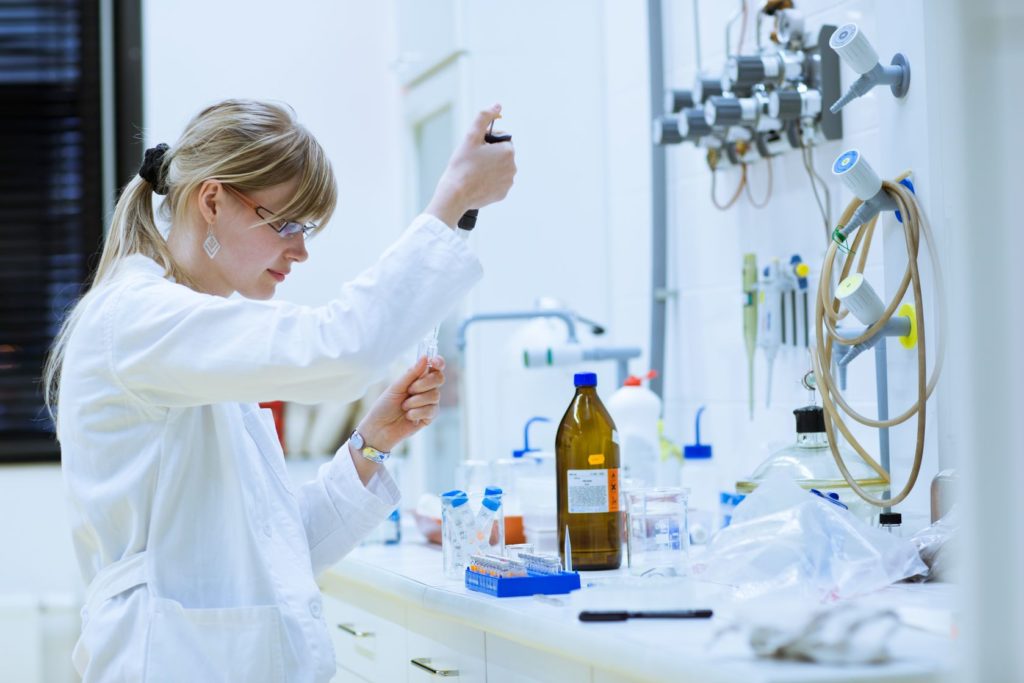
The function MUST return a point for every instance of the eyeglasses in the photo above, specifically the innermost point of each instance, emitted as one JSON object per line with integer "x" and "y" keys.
{"x": 281, "y": 227}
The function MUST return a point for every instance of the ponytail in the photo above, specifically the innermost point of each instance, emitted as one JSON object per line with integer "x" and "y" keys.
{"x": 251, "y": 145}
{"x": 133, "y": 230}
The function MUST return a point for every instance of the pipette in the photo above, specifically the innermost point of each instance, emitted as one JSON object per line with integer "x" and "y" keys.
{"x": 428, "y": 345}
{"x": 771, "y": 325}
{"x": 750, "y": 321}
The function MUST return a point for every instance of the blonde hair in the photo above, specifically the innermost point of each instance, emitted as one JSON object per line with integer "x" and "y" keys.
{"x": 247, "y": 144}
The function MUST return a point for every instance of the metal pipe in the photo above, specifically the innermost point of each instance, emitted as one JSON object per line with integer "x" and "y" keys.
{"x": 620, "y": 354}
{"x": 659, "y": 198}
{"x": 566, "y": 316}
{"x": 882, "y": 389}
{"x": 696, "y": 36}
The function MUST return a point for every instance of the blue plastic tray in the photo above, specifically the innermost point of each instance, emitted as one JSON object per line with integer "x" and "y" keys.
{"x": 512, "y": 587}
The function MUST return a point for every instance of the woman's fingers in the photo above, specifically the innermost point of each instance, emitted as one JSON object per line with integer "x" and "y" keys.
{"x": 424, "y": 415}
{"x": 429, "y": 381}
{"x": 432, "y": 397}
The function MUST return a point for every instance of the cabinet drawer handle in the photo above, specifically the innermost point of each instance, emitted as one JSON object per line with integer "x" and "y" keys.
{"x": 426, "y": 664}
{"x": 356, "y": 632}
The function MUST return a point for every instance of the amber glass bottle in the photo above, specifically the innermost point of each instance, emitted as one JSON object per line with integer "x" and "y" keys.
{"x": 587, "y": 462}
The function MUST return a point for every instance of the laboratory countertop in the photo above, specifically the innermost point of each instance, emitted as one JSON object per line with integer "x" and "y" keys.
{"x": 676, "y": 650}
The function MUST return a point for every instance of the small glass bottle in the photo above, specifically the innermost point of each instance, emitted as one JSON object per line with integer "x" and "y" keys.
{"x": 587, "y": 465}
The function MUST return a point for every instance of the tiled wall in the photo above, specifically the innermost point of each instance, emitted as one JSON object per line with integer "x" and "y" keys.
{"x": 706, "y": 361}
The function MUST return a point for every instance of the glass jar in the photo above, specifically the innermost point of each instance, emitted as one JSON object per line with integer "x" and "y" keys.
{"x": 809, "y": 462}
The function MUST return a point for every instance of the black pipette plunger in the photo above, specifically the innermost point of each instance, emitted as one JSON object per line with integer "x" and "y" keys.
{"x": 468, "y": 220}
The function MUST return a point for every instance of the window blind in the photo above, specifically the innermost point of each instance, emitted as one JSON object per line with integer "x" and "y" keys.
{"x": 50, "y": 197}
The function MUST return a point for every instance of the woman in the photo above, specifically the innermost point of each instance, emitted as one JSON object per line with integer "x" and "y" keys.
{"x": 199, "y": 555}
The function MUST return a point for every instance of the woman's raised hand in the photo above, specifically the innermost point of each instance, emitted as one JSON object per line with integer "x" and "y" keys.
{"x": 478, "y": 173}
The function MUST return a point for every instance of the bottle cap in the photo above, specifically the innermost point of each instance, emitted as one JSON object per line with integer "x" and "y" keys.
{"x": 810, "y": 420}
{"x": 492, "y": 491}
{"x": 585, "y": 379}
{"x": 492, "y": 503}
{"x": 456, "y": 498}
{"x": 890, "y": 518}
{"x": 634, "y": 381}
{"x": 727, "y": 498}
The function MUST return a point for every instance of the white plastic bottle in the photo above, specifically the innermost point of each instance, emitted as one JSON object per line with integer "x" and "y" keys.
{"x": 636, "y": 410}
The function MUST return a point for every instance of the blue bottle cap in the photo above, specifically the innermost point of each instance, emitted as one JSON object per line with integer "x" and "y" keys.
{"x": 727, "y": 498}
{"x": 585, "y": 379}
{"x": 456, "y": 497}
{"x": 492, "y": 503}
{"x": 492, "y": 491}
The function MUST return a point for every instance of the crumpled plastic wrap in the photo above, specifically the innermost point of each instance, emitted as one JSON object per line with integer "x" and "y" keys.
{"x": 936, "y": 545}
{"x": 785, "y": 541}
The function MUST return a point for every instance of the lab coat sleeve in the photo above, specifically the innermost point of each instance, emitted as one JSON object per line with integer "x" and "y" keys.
{"x": 171, "y": 346}
{"x": 338, "y": 511}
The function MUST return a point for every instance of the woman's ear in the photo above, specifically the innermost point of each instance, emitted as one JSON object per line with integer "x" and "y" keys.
{"x": 210, "y": 193}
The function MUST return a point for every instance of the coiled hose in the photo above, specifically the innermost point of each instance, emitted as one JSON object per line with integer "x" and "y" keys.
{"x": 828, "y": 313}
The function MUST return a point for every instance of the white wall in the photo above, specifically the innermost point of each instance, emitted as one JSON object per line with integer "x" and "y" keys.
{"x": 572, "y": 79}
{"x": 331, "y": 61}
{"x": 706, "y": 363}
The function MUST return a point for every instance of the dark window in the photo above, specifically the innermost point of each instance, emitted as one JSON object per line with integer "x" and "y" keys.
{"x": 51, "y": 193}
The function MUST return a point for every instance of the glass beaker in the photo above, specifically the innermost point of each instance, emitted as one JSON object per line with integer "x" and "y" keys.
{"x": 658, "y": 540}
{"x": 470, "y": 524}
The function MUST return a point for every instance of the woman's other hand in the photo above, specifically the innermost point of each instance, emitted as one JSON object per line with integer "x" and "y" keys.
{"x": 408, "y": 405}
{"x": 478, "y": 173}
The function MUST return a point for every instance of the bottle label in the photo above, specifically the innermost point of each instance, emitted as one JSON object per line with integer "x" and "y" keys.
{"x": 593, "y": 491}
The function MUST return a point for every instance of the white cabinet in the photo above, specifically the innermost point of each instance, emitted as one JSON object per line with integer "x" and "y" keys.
{"x": 439, "y": 647}
{"x": 509, "y": 662}
{"x": 345, "y": 676}
{"x": 368, "y": 643}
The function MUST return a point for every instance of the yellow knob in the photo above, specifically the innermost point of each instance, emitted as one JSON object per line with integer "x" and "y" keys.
{"x": 802, "y": 270}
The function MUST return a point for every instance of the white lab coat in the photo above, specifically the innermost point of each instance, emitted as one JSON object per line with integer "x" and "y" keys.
{"x": 199, "y": 554}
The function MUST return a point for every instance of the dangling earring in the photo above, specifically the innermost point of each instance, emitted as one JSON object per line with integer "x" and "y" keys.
{"x": 210, "y": 245}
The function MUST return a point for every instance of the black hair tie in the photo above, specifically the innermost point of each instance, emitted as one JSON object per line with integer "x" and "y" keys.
{"x": 152, "y": 169}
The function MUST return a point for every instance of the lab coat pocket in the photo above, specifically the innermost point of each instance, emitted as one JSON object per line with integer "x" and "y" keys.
{"x": 226, "y": 644}
{"x": 265, "y": 437}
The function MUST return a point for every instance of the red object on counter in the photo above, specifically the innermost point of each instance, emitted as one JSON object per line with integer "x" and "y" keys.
{"x": 277, "y": 408}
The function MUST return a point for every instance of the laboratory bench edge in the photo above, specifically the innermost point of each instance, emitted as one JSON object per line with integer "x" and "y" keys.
{"x": 400, "y": 589}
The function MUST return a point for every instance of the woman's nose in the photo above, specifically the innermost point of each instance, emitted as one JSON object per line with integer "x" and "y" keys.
{"x": 297, "y": 251}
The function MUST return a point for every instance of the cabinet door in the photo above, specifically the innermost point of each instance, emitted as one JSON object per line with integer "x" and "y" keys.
{"x": 509, "y": 662}
{"x": 440, "y": 648}
{"x": 368, "y": 643}
{"x": 343, "y": 675}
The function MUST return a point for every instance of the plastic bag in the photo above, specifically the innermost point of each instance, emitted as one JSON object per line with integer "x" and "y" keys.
{"x": 785, "y": 540}
{"x": 936, "y": 545}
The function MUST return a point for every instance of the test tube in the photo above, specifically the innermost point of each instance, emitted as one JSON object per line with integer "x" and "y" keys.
{"x": 485, "y": 518}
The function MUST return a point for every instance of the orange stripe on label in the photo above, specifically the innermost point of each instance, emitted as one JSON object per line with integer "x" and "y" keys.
{"x": 613, "y": 490}
{"x": 596, "y": 459}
